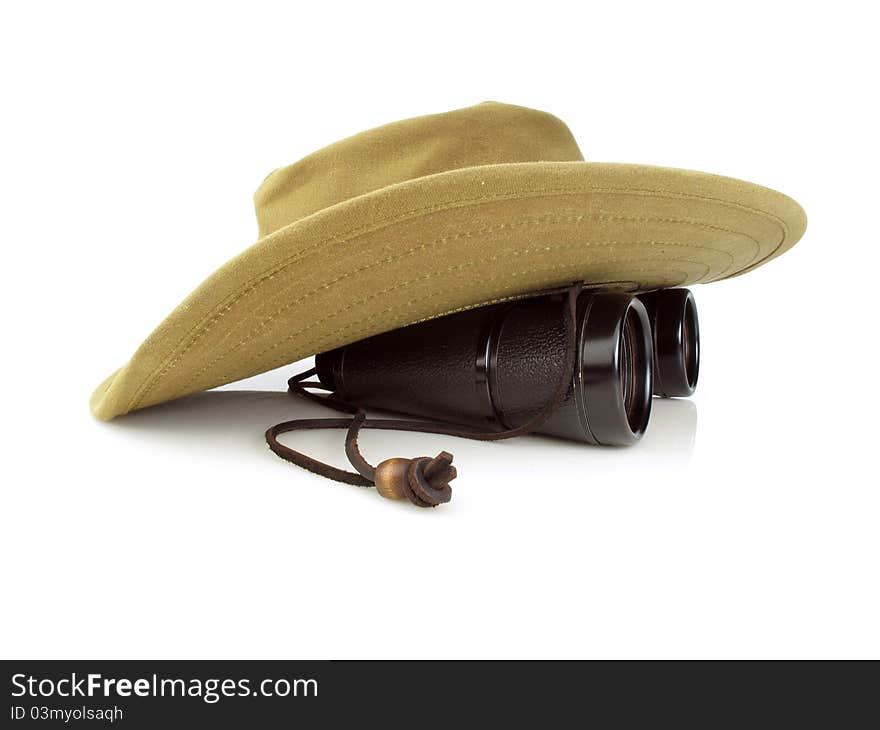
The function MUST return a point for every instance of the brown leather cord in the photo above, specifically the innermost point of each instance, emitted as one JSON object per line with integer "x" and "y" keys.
{"x": 424, "y": 481}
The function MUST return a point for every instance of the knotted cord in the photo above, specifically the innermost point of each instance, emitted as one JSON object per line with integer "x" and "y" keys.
{"x": 424, "y": 481}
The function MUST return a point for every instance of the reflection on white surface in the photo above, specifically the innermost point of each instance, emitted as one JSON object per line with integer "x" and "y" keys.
{"x": 237, "y": 419}
{"x": 672, "y": 430}
{"x": 219, "y": 413}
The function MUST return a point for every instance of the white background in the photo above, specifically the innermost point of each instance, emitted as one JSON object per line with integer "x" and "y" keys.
{"x": 745, "y": 524}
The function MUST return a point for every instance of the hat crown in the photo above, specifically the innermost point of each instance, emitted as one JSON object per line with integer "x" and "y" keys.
{"x": 484, "y": 134}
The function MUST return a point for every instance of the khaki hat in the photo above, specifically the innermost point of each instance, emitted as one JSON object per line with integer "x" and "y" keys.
{"x": 433, "y": 215}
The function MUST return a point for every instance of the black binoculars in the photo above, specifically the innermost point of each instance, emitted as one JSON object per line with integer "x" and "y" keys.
{"x": 495, "y": 367}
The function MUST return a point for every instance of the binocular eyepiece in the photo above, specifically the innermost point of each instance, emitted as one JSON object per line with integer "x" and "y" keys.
{"x": 495, "y": 368}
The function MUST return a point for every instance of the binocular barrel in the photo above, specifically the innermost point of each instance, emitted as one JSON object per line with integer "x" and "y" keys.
{"x": 494, "y": 368}
{"x": 676, "y": 336}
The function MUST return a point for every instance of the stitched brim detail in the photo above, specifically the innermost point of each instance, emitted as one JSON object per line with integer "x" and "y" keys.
{"x": 444, "y": 243}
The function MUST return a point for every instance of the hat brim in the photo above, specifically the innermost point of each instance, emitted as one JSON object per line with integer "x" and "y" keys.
{"x": 447, "y": 242}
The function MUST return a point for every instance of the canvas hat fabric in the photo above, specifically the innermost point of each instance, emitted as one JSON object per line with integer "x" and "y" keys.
{"x": 433, "y": 215}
